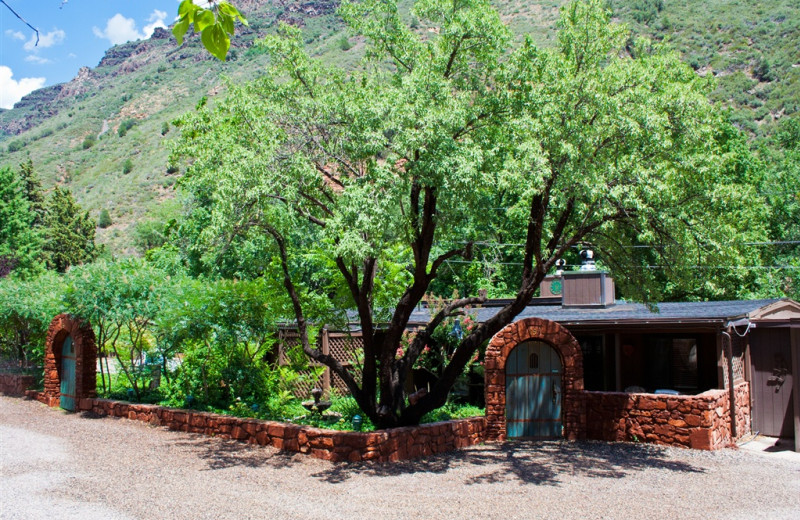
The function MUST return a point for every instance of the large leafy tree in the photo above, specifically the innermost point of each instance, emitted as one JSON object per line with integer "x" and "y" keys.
{"x": 448, "y": 136}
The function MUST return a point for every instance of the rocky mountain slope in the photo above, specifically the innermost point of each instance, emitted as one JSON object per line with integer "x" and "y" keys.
{"x": 106, "y": 134}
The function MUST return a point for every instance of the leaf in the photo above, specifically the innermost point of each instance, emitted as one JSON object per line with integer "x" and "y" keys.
{"x": 187, "y": 9}
{"x": 180, "y": 29}
{"x": 231, "y": 11}
{"x": 216, "y": 41}
{"x": 203, "y": 19}
{"x": 226, "y": 22}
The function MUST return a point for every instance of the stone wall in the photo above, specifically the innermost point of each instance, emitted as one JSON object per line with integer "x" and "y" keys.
{"x": 16, "y": 384}
{"x": 694, "y": 421}
{"x": 388, "y": 445}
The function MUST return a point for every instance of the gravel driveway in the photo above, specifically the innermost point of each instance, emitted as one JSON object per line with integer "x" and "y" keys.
{"x": 55, "y": 465}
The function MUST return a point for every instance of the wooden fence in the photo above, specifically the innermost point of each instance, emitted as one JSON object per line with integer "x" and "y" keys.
{"x": 345, "y": 347}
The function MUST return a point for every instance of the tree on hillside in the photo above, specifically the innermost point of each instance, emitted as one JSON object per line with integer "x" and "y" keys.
{"x": 20, "y": 243}
{"x": 366, "y": 184}
{"x": 33, "y": 191}
{"x": 69, "y": 232}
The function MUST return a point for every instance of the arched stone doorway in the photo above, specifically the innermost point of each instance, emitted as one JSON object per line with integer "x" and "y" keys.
{"x": 70, "y": 362}
{"x": 535, "y": 334}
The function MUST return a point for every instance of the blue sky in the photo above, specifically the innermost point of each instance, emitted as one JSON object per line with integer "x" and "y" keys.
{"x": 72, "y": 34}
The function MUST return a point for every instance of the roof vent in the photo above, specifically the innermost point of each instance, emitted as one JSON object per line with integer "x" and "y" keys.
{"x": 587, "y": 263}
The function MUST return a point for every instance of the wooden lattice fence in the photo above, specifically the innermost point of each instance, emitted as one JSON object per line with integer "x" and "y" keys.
{"x": 345, "y": 347}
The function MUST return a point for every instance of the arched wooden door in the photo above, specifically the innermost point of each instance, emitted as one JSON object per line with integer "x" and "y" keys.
{"x": 533, "y": 391}
{"x": 68, "y": 358}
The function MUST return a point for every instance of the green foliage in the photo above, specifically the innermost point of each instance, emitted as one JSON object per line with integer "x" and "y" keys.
{"x": 104, "y": 220}
{"x": 16, "y": 145}
{"x": 215, "y": 25}
{"x": 26, "y": 308}
{"x": 69, "y": 232}
{"x": 20, "y": 242}
{"x": 390, "y": 169}
{"x": 344, "y": 44}
{"x": 165, "y": 128}
{"x": 127, "y": 166}
{"x": 88, "y": 142}
{"x": 124, "y": 126}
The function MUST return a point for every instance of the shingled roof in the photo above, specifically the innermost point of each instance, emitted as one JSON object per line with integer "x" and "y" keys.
{"x": 626, "y": 312}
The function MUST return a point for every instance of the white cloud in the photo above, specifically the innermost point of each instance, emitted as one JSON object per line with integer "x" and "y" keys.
{"x": 15, "y": 34}
{"x": 12, "y": 90}
{"x": 120, "y": 29}
{"x": 54, "y": 37}
{"x": 34, "y": 58}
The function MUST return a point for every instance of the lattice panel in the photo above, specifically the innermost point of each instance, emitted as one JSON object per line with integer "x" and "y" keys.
{"x": 342, "y": 346}
{"x": 739, "y": 348}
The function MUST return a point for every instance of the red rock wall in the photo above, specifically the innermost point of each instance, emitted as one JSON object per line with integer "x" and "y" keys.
{"x": 693, "y": 421}
{"x": 15, "y": 384}
{"x": 388, "y": 445}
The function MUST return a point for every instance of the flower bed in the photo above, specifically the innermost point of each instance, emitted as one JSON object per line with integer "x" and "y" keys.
{"x": 386, "y": 445}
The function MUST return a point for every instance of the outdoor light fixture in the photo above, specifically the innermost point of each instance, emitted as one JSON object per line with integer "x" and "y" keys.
{"x": 357, "y": 422}
{"x": 131, "y": 393}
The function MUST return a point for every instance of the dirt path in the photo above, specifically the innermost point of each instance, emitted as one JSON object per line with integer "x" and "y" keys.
{"x": 64, "y": 466}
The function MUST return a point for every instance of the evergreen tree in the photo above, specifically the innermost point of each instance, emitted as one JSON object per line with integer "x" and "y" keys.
{"x": 69, "y": 232}
{"x": 33, "y": 191}
{"x": 20, "y": 244}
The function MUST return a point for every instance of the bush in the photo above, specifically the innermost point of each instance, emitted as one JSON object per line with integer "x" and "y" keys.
{"x": 104, "y": 220}
{"x": 125, "y": 126}
{"x": 127, "y": 166}
{"x": 16, "y": 145}
{"x": 165, "y": 128}
{"x": 88, "y": 142}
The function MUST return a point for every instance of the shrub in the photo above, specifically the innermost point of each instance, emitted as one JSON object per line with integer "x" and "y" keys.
{"x": 125, "y": 126}
{"x": 104, "y": 220}
{"x": 88, "y": 142}
{"x": 16, "y": 145}
{"x": 165, "y": 128}
{"x": 127, "y": 166}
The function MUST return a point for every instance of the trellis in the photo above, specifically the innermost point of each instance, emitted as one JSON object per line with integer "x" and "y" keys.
{"x": 345, "y": 347}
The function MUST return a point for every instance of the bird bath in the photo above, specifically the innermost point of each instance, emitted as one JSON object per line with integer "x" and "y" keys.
{"x": 316, "y": 406}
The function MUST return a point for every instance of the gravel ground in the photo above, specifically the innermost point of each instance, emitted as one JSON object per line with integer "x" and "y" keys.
{"x": 56, "y": 465}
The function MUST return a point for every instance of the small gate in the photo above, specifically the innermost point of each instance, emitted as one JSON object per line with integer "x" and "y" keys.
{"x": 68, "y": 375}
{"x": 533, "y": 391}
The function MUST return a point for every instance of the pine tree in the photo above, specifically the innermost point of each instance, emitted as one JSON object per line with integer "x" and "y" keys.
{"x": 69, "y": 232}
{"x": 33, "y": 191}
{"x": 20, "y": 243}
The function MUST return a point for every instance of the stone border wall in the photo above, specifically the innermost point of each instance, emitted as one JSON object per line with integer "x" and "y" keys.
{"x": 16, "y": 384}
{"x": 388, "y": 445}
{"x": 694, "y": 421}
{"x": 501, "y": 345}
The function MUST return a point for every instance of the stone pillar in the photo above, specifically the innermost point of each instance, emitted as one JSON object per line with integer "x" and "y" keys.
{"x": 83, "y": 340}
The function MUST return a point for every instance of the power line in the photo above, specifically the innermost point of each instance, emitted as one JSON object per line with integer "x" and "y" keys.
{"x": 705, "y": 267}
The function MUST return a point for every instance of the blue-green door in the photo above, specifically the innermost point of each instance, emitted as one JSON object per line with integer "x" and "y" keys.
{"x": 68, "y": 375}
{"x": 533, "y": 391}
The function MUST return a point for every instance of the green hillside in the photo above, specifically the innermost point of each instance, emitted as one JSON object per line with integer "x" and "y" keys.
{"x": 106, "y": 134}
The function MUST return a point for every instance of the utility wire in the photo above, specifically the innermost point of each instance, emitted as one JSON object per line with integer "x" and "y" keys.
{"x": 23, "y": 21}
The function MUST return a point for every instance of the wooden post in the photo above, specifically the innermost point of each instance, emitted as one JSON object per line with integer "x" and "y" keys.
{"x": 795, "y": 347}
{"x": 618, "y": 362}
